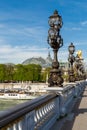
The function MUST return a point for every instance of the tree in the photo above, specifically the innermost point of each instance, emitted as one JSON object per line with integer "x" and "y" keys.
{"x": 33, "y": 72}
{"x": 19, "y": 72}
{"x": 2, "y": 72}
{"x": 9, "y": 72}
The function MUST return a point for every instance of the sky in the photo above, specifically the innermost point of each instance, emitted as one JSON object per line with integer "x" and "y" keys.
{"x": 24, "y": 28}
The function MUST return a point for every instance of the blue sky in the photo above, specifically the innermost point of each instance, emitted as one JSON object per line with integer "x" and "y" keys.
{"x": 24, "y": 28}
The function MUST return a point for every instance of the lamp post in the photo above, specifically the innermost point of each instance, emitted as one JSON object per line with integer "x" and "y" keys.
{"x": 71, "y": 59}
{"x": 55, "y": 41}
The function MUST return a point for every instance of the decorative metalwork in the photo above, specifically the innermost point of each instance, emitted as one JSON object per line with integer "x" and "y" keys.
{"x": 77, "y": 64}
{"x": 80, "y": 70}
{"x": 55, "y": 41}
{"x": 81, "y": 75}
{"x": 71, "y": 59}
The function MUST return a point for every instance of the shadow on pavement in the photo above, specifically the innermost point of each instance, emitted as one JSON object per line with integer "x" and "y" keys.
{"x": 68, "y": 124}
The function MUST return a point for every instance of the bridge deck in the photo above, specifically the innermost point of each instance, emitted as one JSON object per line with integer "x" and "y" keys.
{"x": 77, "y": 119}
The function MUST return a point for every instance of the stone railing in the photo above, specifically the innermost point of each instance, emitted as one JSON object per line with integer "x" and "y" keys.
{"x": 41, "y": 113}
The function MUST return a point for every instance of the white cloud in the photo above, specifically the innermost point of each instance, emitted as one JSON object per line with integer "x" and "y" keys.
{"x": 73, "y": 28}
{"x": 21, "y": 34}
{"x": 76, "y": 28}
{"x": 2, "y": 25}
{"x": 18, "y": 54}
{"x": 84, "y": 23}
{"x": 63, "y": 55}
{"x": 16, "y": 43}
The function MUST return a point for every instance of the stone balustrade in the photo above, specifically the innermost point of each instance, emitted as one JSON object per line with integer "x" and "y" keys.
{"x": 42, "y": 112}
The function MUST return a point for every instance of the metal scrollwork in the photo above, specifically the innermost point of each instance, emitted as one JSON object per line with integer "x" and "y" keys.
{"x": 55, "y": 41}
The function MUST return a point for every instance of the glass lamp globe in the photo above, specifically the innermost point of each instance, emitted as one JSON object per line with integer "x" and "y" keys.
{"x": 71, "y": 48}
{"x": 55, "y": 20}
{"x": 52, "y": 33}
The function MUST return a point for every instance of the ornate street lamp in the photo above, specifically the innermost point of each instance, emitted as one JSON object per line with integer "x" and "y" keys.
{"x": 55, "y": 41}
{"x": 71, "y": 59}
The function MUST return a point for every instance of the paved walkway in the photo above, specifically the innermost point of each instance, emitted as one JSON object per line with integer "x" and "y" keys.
{"x": 77, "y": 119}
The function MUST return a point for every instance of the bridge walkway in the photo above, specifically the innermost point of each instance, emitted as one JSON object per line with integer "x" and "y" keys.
{"x": 77, "y": 118}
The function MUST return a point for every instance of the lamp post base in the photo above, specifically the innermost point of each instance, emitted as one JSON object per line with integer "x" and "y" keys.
{"x": 55, "y": 78}
{"x": 71, "y": 76}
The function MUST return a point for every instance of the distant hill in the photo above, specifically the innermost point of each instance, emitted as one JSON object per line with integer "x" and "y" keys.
{"x": 41, "y": 61}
